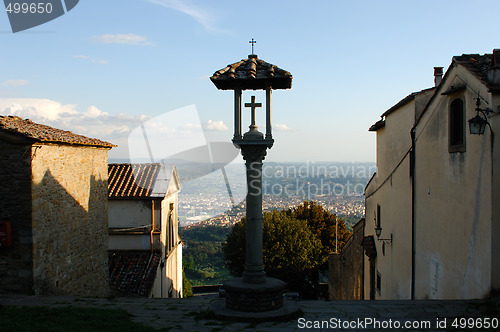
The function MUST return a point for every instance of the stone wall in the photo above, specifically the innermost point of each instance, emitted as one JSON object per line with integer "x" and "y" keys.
{"x": 15, "y": 196}
{"x": 345, "y": 269}
{"x": 70, "y": 220}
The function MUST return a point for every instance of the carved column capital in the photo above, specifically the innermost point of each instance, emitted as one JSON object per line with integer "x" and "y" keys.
{"x": 253, "y": 153}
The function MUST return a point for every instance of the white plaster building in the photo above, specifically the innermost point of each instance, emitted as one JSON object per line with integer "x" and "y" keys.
{"x": 145, "y": 248}
{"x": 433, "y": 195}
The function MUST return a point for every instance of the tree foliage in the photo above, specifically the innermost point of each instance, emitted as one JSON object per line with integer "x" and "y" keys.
{"x": 295, "y": 243}
{"x": 202, "y": 259}
{"x": 324, "y": 224}
{"x": 202, "y": 234}
{"x": 186, "y": 286}
{"x": 289, "y": 247}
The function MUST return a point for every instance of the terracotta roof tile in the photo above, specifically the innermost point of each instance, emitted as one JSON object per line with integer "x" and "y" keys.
{"x": 44, "y": 133}
{"x": 133, "y": 272}
{"x": 132, "y": 180}
{"x": 251, "y": 73}
{"x": 478, "y": 65}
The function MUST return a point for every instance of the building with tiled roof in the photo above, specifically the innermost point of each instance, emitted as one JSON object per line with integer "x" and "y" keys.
{"x": 483, "y": 67}
{"x": 134, "y": 273}
{"x": 129, "y": 181}
{"x": 53, "y": 210}
{"x": 143, "y": 226}
{"x": 433, "y": 200}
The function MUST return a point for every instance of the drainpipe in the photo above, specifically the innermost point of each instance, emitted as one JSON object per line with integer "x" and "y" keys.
{"x": 412, "y": 177}
{"x": 152, "y": 223}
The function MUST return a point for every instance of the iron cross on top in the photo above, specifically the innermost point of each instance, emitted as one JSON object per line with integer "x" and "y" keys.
{"x": 252, "y": 42}
{"x": 253, "y": 105}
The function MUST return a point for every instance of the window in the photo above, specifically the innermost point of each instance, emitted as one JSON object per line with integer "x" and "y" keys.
{"x": 378, "y": 282}
{"x": 456, "y": 133}
{"x": 379, "y": 224}
{"x": 173, "y": 237}
{"x": 170, "y": 241}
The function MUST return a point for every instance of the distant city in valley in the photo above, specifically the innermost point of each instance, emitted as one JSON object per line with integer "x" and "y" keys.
{"x": 215, "y": 195}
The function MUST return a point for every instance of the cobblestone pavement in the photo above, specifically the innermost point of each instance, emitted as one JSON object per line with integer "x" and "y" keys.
{"x": 193, "y": 314}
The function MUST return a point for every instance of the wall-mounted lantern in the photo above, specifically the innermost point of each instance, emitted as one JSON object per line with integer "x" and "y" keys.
{"x": 378, "y": 232}
{"x": 477, "y": 124}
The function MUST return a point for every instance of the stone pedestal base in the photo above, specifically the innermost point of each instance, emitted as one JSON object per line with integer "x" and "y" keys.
{"x": 289, "y": 310}
{"x": 254, "y": 301}
{"x": 259, "y": 297}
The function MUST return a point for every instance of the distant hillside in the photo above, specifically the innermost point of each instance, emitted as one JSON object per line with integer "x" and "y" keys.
{"x": 202, "y": 254}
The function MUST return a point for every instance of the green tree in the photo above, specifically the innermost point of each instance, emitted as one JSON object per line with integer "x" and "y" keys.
{"x": 324, "y": 224}
{"x": 289, "y": 248}
{"x": 296, "y": 244}
{"x": 186, "y": 286}
{"x": 332, "y": 232}
{"x": 203, "y": 260}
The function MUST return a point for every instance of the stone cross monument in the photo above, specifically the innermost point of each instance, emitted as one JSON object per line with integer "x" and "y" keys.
{"x": 254, "y": 292}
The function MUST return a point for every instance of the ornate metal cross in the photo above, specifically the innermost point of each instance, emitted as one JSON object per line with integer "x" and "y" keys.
{"x": 253, "y": 105}
{"x": 252, "y": 42}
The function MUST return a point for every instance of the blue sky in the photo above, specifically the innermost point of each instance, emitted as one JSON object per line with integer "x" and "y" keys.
{"x": 106, "y": 66}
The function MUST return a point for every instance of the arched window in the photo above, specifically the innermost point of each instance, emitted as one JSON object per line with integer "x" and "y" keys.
{"x": 456, "y": 132}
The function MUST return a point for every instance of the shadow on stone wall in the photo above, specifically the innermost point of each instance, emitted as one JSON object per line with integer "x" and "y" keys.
{"x": 346, "y": 269}
{"x": 70, "y": 239}
{"x": 15, "y": 206}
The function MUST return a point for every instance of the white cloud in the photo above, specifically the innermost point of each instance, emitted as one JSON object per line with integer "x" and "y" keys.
{"x": 94, "y": 112}
{"x": 167, "y": 134}
{"x": 101, "y": 62}
{"x": 201, "y": 15}
{"x": 93, "y": 122}
{"x": 129, "y": 39}
{"x": 14, "y": 83}
{"x": 36, "y": 109}
{"x": 86, "y": 57}
{"x": 214, "y": 126}
{"x": 281, "y": 127}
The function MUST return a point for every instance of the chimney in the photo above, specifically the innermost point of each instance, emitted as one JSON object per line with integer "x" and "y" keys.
{"x": 438, "y": 75}
{"x": 494, "y": 71}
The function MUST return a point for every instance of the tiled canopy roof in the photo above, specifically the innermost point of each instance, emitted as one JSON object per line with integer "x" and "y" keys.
{"x": 133, "y": 272}
{"x": 251, "y": 73}
{"x": 132, "y": 180}
{"x": 43, "y": 133}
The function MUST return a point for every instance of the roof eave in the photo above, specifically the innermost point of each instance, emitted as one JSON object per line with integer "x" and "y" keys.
{"x": 377, "y": 125}
{"x": 278, "y": 83}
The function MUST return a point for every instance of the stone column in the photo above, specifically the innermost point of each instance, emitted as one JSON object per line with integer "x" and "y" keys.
{"x": 254, "y": 269}
{"x": 269, "y": 134}
{"x": 254, "y": 292}
{"x": 237, "y": 113}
